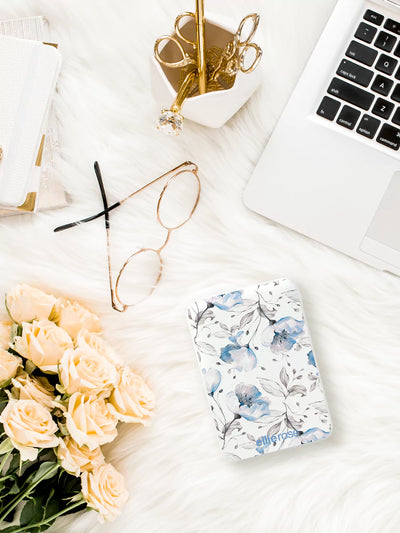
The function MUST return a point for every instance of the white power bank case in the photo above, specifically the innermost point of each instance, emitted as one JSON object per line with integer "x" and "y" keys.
{"x": 259, "y": 369}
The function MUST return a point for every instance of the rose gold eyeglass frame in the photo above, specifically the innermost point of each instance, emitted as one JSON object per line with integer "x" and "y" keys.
{"x": 173, "y": 174}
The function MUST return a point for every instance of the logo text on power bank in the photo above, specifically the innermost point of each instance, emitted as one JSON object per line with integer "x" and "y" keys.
{"x": 265, "y": 441}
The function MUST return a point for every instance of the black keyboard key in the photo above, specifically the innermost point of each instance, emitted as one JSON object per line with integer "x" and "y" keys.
{"x": 328, "y": 108}
{"x": 397, "y": 75}
{"x": 383, "y": 108}
{"x": 396, "y": 93}
{"x": 368, "y": 126}
{"x": 353, "y": 72}
{"x": 389, "y": 136}
{"x": 397, "y": 50}
{"x": 365, "y": 32}
{"x": 382, "y": 85}
{"x": 396, "y": 117}
{"x": 374, "y": 17}
{"x": 386, "y": 64}
{"x": 348, "y": 117}
{"x": 361, "y": 53}
{"x": 350, "y": 93}
{"x": 393, "y": 26}
{"x": 385, "y": 41}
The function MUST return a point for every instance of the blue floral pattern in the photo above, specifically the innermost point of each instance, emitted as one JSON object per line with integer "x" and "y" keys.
{"x": 286, "y": 332}
{"x": 311, "y": 359}
{"x": 259, "y": 369}
{"x": 247, "y": 402}
{"x": 227, "y": 301}
{"x": 242, "y": 358}
{"x": 212, "y": 379}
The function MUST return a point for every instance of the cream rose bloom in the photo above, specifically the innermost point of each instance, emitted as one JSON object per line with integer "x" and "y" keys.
{"x": 84, "y": 370}
{"x": 26, "y": 387}
{"x": 104, "y": 490}
{"x": 77, "y": 459}
{"x": 5, "y": 335}
{"x": 90, "y": 421}
{"x": 43, "y": 343}
{"x": 9, "y": 365}
{"x": 29, "y": 426}
{"x": 91, "y": 340}
{"x": 25, "y": 303}
{"x": 131, "y": 400}
{"x": 73, "y": 317}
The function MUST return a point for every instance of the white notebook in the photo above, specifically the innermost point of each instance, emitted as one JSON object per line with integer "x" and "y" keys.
{"x": 29, "y": 74}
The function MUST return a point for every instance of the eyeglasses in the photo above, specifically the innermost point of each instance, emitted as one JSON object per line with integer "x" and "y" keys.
{"x": 186, "y": 174}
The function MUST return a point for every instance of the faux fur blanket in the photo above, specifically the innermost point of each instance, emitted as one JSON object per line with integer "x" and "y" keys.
{"x": 176, "y": 477}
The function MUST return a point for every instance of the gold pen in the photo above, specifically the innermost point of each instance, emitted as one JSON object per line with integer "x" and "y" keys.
{"x": 171, "y": 120}
{"x": 201, "y": 46}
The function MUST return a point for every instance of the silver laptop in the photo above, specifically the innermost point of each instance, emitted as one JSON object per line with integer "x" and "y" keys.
{"x": 331, "y": 169}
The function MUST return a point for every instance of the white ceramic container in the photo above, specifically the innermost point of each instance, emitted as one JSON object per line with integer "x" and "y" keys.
{"x": 212, "y": 109}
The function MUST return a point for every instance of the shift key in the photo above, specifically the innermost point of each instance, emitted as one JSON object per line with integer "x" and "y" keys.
{"x": 353, "y": 72}
{"x": 350, "y": 93}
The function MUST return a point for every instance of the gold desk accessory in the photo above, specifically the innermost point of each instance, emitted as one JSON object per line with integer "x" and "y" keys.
{"x": 201, "y": 58}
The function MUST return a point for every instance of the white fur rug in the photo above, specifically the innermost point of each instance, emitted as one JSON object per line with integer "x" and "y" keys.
{"x": 176, "y": 477}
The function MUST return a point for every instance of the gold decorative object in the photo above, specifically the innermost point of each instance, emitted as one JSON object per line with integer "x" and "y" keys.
{"x": 233, "y": 57}
{"x": 203, "y": 70}
{"x": 201, "y": 46}
{"x": 171, "y": 121}
{"x": 177, "y": 43}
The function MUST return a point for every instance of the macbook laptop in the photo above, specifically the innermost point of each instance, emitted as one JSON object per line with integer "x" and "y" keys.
{"x": 331, "y": 169}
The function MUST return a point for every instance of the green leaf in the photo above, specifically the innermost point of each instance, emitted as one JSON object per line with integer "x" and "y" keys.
{"x": 32, "y": 512}
{"x": 5, "y": 384}
{"x": 47, "y": 454}
{"x": 52, "y": 508}
{"x": 14, "y": 465}
{"x": 15, "y": 488}
{"x": 3, "y": 401}
{"x": 60, "y": 388}
{"x": 6, "y": 446}
{"x": 46, "y": 470}
{"x": 16, "y": 331}
{"x": 29, "y": 366}
{"x": 63, "y": 428}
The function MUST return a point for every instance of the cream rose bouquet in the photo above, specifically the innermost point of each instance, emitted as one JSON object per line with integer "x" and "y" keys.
{"x": 62, "y": 393}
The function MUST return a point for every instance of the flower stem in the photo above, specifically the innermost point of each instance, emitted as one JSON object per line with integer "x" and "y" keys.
{"x": 227, "y": 426}
{"x": 50, "y": 518}
{"x": 8, "y": 508}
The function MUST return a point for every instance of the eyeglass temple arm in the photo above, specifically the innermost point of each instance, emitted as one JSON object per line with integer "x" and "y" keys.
{"x": 103, "y": 193}
{"x": 107, "y": 225}
{"x": 88, "y": 219}
{"x": 113, "y": 206}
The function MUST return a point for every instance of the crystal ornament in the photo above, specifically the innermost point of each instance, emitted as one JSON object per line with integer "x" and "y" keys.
{"x": 170, "y": 122}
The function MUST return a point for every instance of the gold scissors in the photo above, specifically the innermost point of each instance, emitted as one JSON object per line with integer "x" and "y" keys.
{"x": 235, "y": 53}
{"x": 186, "y": 58}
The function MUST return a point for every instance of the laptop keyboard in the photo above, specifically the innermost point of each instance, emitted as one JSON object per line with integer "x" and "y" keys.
{"x": 364, "y": 95}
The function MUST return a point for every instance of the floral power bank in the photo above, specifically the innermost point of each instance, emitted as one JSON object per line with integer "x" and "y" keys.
{"x": 259, "y": 369}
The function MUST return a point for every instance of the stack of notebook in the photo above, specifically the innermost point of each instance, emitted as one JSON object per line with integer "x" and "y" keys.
{"x": 29, "y": 67}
